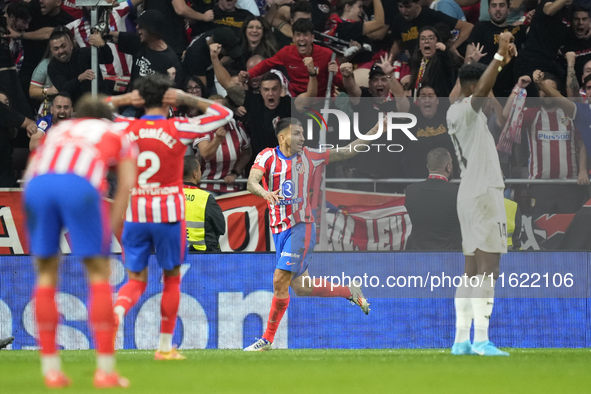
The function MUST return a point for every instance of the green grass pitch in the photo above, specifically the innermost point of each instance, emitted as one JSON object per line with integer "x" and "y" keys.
{"x": 318, "y": 371}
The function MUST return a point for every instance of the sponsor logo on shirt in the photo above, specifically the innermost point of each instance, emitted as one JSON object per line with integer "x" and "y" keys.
{"x": 291, "y": 201}
{"x": 553, "y": 135}
{"x": 294, "y": 255}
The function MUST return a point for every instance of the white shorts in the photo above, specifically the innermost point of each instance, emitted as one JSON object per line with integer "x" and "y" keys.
{"x": 483, "y": 223}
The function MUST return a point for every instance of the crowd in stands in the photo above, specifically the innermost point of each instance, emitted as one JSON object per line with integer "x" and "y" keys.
{"x": 256, "y": 55}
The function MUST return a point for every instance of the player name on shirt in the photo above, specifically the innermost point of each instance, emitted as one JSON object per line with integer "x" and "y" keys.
{"x": 157, "y": 134}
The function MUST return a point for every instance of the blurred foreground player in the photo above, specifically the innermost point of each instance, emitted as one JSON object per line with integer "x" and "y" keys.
{"x": 155, "y": 217}
{"x": 481, "y": 209}
{"x": 65, "y": 183}
{"x": 287, "y": 172}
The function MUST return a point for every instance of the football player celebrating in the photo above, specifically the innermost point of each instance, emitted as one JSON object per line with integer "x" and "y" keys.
{"x": 287, "y": 172}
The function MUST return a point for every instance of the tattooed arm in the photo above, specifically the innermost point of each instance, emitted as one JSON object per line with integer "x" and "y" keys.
{"x": 572, "y": 85}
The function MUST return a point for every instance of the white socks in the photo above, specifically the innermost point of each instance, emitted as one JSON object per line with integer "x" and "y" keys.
{"x": 165, "y": 343}
{"x": 464, "y": 315}
{"x": 482, "y": 305}
{"x": 119, "y": 311}
{"x": 50, "y": 363}
{"x": 105, "y": 363}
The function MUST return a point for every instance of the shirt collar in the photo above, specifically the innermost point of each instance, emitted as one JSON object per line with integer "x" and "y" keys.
{"x": 437, "y": 176}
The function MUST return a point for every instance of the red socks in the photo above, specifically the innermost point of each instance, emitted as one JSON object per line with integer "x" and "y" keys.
{"x": 101, "y": 317}
{"x": 169, "y": 306}
{"x": 278, "y": 308}
{"x": 323, "y": 289}
{"x": 47, "y": 318}
{"x": 130, "y": 293}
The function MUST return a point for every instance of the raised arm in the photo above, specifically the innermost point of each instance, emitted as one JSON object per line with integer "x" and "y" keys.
{"x": 465, "y": 29}
{"x": 219, "y": 70}
{"x": 506, "y": 51}
{"x": 303, "y": 99}
{"x": 349, "y": 151}
{"x": 353, "y": 90}
{"x": 182, "y": 9}
{"x": 553, "y": 7}
{"x": 378, "y": 22}
{"x": 402, "y": 102}
{"x": 572, "y": 85}
{"x": 567, "y": 106}
{"x": 522, "y": 83}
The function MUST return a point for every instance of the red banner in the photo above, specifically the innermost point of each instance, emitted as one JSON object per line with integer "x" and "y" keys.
{"x": 356, "y": 221}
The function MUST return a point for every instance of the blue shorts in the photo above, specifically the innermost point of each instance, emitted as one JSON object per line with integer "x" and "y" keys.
{"x": 169, "y": 240}
{"x": 57, "y": 201}
{"x": 294, "y": 248}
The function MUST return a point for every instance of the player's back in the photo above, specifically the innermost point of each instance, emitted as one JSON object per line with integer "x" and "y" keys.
{"x": 475, "y": 149}
{"x": 158, "y": 193}
{"x": 83, "y": 147}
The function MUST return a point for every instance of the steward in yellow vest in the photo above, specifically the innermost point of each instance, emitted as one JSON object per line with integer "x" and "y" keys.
{"x": 513, "y": 225}
{"x": 203, "y": 216}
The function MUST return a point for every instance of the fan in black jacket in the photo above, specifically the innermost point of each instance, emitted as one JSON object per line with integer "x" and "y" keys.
{"x": 432, "y": 207}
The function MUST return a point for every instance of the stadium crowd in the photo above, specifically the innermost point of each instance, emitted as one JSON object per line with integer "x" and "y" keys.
{"x": 254, "y": 56}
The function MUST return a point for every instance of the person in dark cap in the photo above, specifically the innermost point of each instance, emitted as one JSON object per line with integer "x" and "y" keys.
{"x": 151, "y": 55}
{"x": 197, "y": 60}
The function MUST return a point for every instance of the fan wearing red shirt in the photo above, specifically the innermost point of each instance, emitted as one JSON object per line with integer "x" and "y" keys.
{"x": 292, "y": 58}
{"x": 65, "y": 185}
{"x": 155, "y": 216}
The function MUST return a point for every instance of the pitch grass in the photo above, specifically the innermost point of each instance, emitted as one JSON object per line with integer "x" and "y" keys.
{"x": 318, "y": 371}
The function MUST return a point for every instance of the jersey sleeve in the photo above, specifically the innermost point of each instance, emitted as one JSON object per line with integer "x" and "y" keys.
{"x": 317, "y": 157}
{"x": 43, "y": 124}
{"x": 215, "y": 117}
{"x": 204, "y": 137}
{"x": 263, "y": 160}
{"x": 244, "y": 139}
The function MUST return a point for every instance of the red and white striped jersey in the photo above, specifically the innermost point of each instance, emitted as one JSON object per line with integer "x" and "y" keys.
{"x": 551, "y": 138}
{"x": 226, "y": 157}
{"x": 293, "y": 176}
{"x": 122, "y": 63}
{"x": 158, "y": 195}
{"x": 84, "y": 147}
{"x": 70, "y": 7}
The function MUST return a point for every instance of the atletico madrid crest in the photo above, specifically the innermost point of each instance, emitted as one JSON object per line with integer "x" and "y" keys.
{"x": 300, "y": 168}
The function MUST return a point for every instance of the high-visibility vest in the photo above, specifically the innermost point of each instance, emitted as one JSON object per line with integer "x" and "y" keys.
{"x": 195, "y": 203}
{"x": 511, "y": 209}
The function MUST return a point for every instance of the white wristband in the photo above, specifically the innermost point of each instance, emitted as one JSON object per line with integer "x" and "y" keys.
{"x": 499, "y": 57}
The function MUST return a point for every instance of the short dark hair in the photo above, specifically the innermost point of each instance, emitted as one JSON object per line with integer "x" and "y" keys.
{"x": 269, "y": 76}
{"x": 587, "y": 79}
{"x": 56, "y": 34}
{"x": 64, "y": 94}
{"x": 190, "y": 164}
{"x": 197, "y": 80}
{"x": 19, "y": 9}
{"x": 93, "y": 107}
{"x": 471, "y": 73}
{"x": 285, "y": 123}
{"x": 303, "y": 25}
{"x": 400, "y": 2}
{"x": 438, "y": 158}
{"x": 340, "y": 7}
{"x": 152, "y": 89}
{"x": 579, "y": 7}
{"x": 301, "y": 6}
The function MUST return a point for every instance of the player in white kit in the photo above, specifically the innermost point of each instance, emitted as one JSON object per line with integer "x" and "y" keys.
{"x": 481, "y": 209}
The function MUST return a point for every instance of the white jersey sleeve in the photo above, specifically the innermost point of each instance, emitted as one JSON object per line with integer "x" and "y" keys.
{"x": 475, "y": 149}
